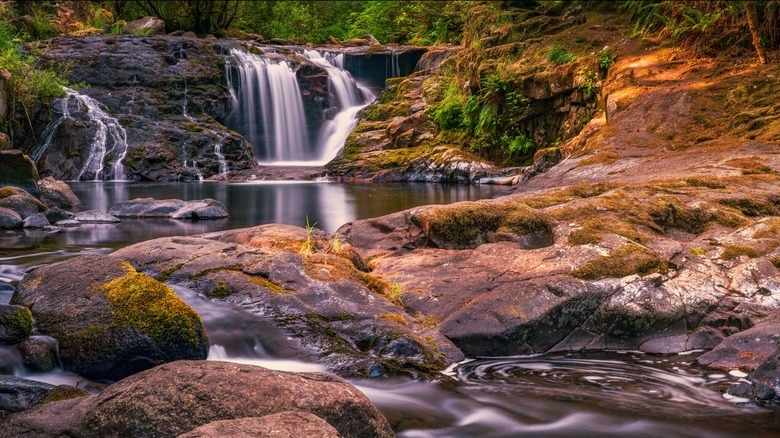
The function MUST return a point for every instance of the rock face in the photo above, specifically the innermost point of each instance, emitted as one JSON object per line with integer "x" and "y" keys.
{"x": 309, "y": 289}
{"x": 176, "y": 398}
{"x": 17, "y": 170}
{"x": 109, "y": 320}
{"x": 167, "y": 93}
{"x": 169, "y": 208}
{"x": 282, "y": 425}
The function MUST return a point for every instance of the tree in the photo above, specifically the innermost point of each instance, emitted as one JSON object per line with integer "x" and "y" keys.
{"x": 750, "y": 12}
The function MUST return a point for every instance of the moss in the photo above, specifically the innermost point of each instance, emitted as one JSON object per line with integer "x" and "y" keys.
{"x": 18, "y": 320}
{"x": 203, "y": 272}
{"x": 734, "y": 251}
{"x": 772, "y": 229}
{"x": 600, "y": 158}
{"x": 63, "y": 392}
{"x": 220, "y": 290}
{"x": 165, "y": 274}
{"x": 705, "y": 181}
{"x": 570, "y": 193}
{"x": 751, "y": 207}
{"x": 143, "y": 303}
{"x": 698, "y": 251}
{"x": 750, "y": 165}
{"x": 627, "y": 260}
{"x": 775, "y": 261}
{"x": 428, "y": 321}
{"x": 268, "y": 284}
{"x": 393, "y": 317}
{"x": 374, "y": 283}
{"x": 8, "y": 191}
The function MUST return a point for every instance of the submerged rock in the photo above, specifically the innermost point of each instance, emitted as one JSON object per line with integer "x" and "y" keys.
{"x": 169, "y": 208}
{"x": 109, "y": 320}
{"x": 176, "y": 398}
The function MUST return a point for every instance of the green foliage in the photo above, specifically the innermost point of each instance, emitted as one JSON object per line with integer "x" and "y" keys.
{"x": 448, "y": 114}
{"x": 590, "y": 85}
{"x": 558, "y": 55}
{"x": 606, "y": 57}
{"x": 517, "y": 145}
{"x": 42, "y": 25}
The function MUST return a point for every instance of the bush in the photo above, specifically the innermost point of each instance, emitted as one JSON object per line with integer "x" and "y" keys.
{"x": 606, "y": 57}
{"x": 559, "y": 56}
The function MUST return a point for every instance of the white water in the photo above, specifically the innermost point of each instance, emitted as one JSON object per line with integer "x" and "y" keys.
{"x": 223, "y": 167}
{"x": 350, "y": 99}
{"x": 110, "y": 140}
{"x": 271, "y": 104}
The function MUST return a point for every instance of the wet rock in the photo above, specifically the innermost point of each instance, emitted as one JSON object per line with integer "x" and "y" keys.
{"x": 15, "y": 324}
{"x": 176, "y": 398}
{"x": 17, "y": 170}
{"x": 9, "y": 219}
{"x": 169, "y": 208}
{"x": 145, "y": 26}
{"x": 95, "y": 217}
{"x": 38, "y": 353}
{"x": 109, "y": 320}
{"x": 370, "y": 38}
{"x": 25, "y": 205}
{"x": 37, "y": 220}
{"x": 17, "y": 394}
{"x": 282, "y": 425}
{"x": 189, "y": 35}
{"x": 57, "y": 194}
{"x": 56, "y": 214}
{"x": 747, "y": 349}
{"x": 68, "y": 223}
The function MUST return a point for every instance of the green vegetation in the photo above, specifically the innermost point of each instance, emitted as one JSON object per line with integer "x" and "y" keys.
{"x": 558, "y": 55}
{"x": 606, "y": 57}
{"x": 308, "y": 246}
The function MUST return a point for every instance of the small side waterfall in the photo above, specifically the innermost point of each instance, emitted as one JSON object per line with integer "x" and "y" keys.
{"x": 270, "y": 102}
{"x": 108, "y": 144}
{"x": 350, "y": 99}
{"x": 223, "y": 167}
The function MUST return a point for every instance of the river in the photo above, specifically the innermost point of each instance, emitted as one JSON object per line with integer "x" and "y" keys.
{"x": 611, "y": 394}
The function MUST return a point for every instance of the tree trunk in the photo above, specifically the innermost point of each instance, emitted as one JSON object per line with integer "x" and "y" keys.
{"x": 750, "y": 11}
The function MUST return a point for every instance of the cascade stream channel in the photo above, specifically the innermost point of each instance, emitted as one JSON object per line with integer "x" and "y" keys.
{"x": 605, "y": 394}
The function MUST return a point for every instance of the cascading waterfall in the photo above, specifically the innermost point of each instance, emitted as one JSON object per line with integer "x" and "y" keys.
{"x": 268, "y": 89}
{"x": 223, "y": 167}
{"x": 350, "y": 99}
{"x": 110, "y": 140}
{"x": 392, "y": 66}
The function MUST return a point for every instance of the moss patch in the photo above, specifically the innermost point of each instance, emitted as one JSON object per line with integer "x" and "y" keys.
{"x": 734, "y": 251}
{"x": 17, "y": 320}
{"x": 600, "y": 158}
{"x": 268, "y": 284}
{"x": 143, "y": 303}
{"x": 63, "y": 392}
{"x": 750, "y": 165}
{"x": 752, "y": 207}
{"x": 393, "y": 317}
{"x": 570, "y": 193}
{"x": 627, "y": 260}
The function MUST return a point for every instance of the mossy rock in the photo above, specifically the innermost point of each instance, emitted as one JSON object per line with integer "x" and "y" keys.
{"x": 629, "y": 259}
{"x": 15, "y": 324}
{"x": 109, "y": 320}
{"x": 18, "y": 170}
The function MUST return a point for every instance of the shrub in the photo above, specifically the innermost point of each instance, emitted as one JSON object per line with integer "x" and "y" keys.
{"x": 558, "y": 55}
{"x": 606, "y": 57}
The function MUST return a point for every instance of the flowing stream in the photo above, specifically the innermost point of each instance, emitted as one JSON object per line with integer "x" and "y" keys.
{"x": 607, "y": 394}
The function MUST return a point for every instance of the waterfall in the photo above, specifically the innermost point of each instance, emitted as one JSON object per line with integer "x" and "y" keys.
{"x": 392, "y": 66}
{"x": 110, "y": 140}
{"x": 270, "y": 102}
{"x": 223, "y": 167}
{"x": 350, "y": 99}
{"x": 268, "y": 109}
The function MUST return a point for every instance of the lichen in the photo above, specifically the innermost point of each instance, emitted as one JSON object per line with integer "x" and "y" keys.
{"x": 143, "y": 303}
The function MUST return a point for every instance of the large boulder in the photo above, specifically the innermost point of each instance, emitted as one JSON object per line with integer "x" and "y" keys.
{"x": 9, "y": 219}
{"x": 109, "y": 320}
{"x": 145, "y": 26}
{"x": 282, "y": 425}
{"x": 57, "y": 194}
{"x": 176, "y": 398}
{"x": 169, "y": 208}
{"x": 24, "y": 204}
{"x": 15, "y": 324}
{"x": 16, "y": 169}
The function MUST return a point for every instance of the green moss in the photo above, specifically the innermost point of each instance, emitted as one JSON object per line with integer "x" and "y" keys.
{"x": 775, "y": 261}
{"x": 705, "y": 181}
{"x": 203, "y": 272}
{"x": 751, "y": 207}
{"x": 143, "y": 303}
{"x": 19, "y": 320}
{"x": 220, "y": 290}
{"x": 734, "y": 251}
{"x": 268, "y": 284}
{"x": 165, "y": 274}
{"x": 63, "y": 392}
{"x": 627, "y": 260}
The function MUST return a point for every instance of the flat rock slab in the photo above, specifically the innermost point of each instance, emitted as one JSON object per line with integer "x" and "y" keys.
{"x": 169, "y": 208}
{"x": 96, "y": 217}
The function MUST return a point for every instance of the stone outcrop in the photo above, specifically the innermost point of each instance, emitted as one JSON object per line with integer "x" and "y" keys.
{"x": 109, "y": 320}
{"x": 17, "y": 170}
{"x": 176, "y": 398}
{"x": 204, "y": 209}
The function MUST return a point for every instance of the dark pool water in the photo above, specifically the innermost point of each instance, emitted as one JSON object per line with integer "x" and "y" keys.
{"x": 618, "y": 394}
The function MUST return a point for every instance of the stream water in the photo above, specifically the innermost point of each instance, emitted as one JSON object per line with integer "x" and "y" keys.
{"x": 606, "y": 394}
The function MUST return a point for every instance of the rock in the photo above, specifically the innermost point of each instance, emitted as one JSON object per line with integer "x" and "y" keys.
{"x": 145, "y": 26}
{"x": 95, "y": 217}
{"x": 57, "y": 194}
{"x": 189, "y": 35}
{"x": 56, "y": 214}
{"x": 9, "y": 219}
{"x": 282, "y": 42}
{"x": 109, "y": 320}
{"x": 39, "y": 353}
{"x": 747, "y": 349}
{"x": 370, "y": 38}
{"x": 17, "y": 394}
{"x": 68, "y": 223}
{"x": 37, "y": 220}
{"x": 176, "y": 398}
{"x": 25, "y": 205}
{"x": 5, "y": 142}
{"x": 545, "y": 159}
{"x": 356, "y": 42}
{"x": 281, "y": 425}
{"x": 433, "y": 59}
{"x": 764, "y": 381}
{"x": 170, "y": 208}
{"x": 17, "y": 170}
{"x": 15, "y": 324}
{"x": 332, "y": 40}
{"x": 210, "y": 37}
